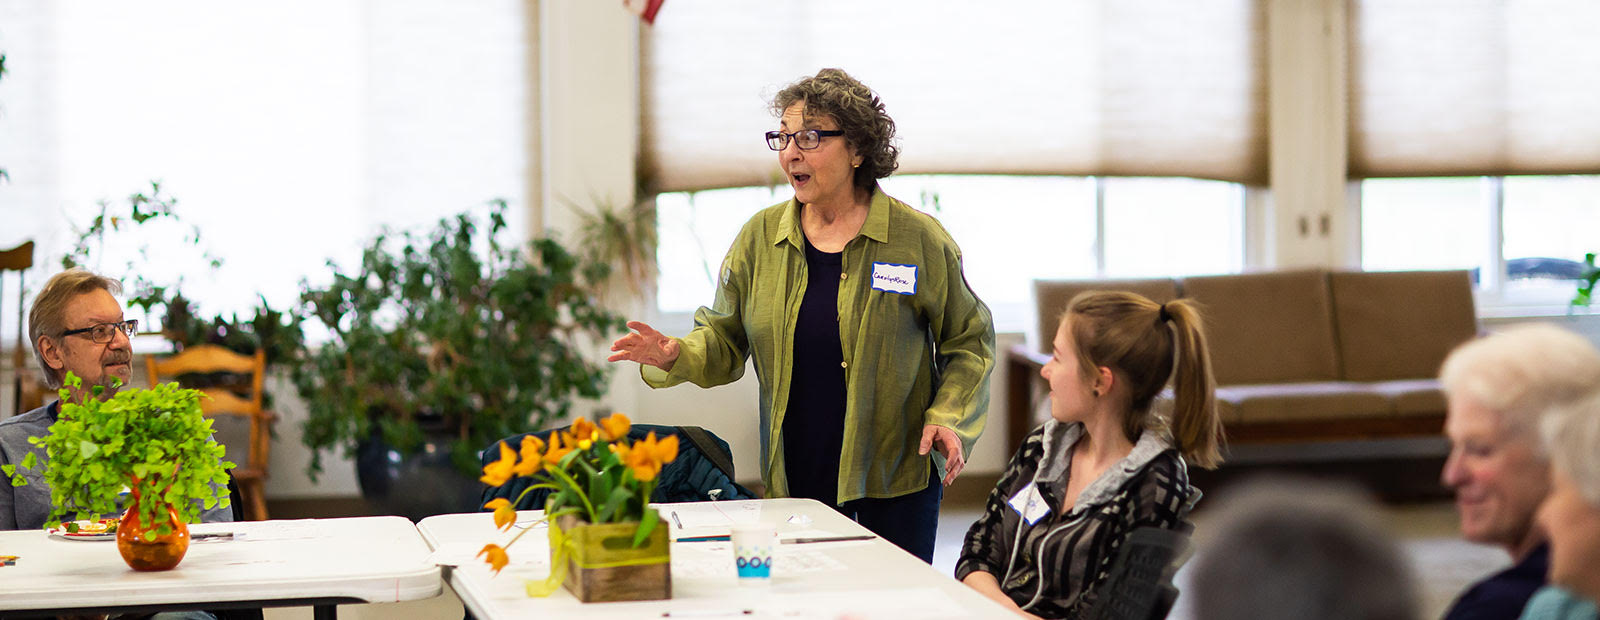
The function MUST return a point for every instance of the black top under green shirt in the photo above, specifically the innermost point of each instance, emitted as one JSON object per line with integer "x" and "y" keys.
{"x": 813, "y": 432}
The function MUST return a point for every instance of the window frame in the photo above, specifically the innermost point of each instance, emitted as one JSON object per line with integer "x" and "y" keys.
{"x": 1249, "y": 206}
{"x": 1491, "y": 295}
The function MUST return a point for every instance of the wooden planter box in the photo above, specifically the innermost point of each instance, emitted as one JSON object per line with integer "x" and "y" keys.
{"x": 604, "y": 566}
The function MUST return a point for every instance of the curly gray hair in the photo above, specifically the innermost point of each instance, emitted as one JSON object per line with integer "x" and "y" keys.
{"x": 860, "y": 114}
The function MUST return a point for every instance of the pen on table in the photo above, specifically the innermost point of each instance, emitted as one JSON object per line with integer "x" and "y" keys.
{"x": 787, "y": 541}
{"x": 675, "y": 520}
{"x": 823, "y": 539}
{"x": 700, "y": 538}
{"x": 700, "y": 613}
{"x": 211, "y": 536}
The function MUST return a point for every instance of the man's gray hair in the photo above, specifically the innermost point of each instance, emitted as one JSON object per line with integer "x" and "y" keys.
{"x": 1522, "y": 371}
{"x": 1301, "y": 549}
{"x": 48, "y": 317}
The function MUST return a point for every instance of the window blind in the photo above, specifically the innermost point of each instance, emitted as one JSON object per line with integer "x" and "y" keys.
{"x": 1474, "y": 87}
{"x": 1148, "y": 88}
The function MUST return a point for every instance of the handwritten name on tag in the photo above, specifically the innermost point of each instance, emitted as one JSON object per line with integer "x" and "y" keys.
{"x": 893, "y": 278}
{"x": 1030, "y": 504}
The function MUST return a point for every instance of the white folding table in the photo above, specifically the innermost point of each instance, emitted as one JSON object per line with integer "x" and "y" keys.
{"x": 860, "y": 579}
{"x": 313, "y": 562}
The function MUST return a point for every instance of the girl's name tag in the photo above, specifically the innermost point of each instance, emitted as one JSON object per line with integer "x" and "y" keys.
{"x": 1030, "y": 504}
{"x": 893, "y": 278}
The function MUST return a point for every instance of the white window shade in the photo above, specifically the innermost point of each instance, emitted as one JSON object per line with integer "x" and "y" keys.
{"x": 1038, "y": 87}
{"x": 1481, "y": 87}
{"x": 289, "y": 131}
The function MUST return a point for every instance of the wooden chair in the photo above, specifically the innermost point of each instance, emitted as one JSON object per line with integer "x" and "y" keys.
{"x": 23, "y": 395}
{"x": 242, "y": 400}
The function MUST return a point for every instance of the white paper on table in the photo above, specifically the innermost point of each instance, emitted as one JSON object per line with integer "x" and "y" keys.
{"x": 815, "y": 533}
{"x": 281, "y": 530}
{"x": 714, "y": 560}
{"x": 525, "y": 554}
{"x": 703, "y": 560}
{"x": 794, "y": 561}
{"x": 710, "y": 514}
{"x": 893, "y": 604}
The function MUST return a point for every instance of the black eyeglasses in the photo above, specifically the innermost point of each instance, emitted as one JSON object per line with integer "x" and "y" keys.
{"x": 106, "y": 332}
{"x": 806, "y": 139}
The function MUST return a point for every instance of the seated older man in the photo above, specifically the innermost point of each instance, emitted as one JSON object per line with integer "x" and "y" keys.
{"x": 1497, "y": 387}
{"x": 76, "y": 326}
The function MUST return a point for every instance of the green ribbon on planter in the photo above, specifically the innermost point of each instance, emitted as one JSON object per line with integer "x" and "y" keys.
{"x": 596, "y": 545}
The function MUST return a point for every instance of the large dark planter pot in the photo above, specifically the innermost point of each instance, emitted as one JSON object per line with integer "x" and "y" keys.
{"x": 421, "y": 485}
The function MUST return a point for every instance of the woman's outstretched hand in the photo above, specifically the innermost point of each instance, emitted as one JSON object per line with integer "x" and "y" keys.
{"x": 646, "y": 346}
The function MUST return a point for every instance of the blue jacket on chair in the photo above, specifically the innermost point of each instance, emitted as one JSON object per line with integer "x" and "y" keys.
{"x": 695, "y": 476}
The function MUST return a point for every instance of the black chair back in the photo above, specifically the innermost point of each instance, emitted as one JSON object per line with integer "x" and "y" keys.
{"x": 1139, "y": 586}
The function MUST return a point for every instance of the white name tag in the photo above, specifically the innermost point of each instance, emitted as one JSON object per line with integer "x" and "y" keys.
{"x": 1030, "y": 504}
{"x": 892, "y": 278}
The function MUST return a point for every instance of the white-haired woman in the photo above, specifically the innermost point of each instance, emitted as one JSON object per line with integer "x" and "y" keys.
{"x": 1570, "y": 514}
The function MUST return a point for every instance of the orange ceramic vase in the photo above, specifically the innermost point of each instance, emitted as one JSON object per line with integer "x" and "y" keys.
{"x": 164, "y": 552}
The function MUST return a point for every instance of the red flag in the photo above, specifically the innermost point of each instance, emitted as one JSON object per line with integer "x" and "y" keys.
{"x": 645, "y": 9}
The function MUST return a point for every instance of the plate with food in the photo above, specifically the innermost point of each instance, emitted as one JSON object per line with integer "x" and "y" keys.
{"x": 99, "y": 529}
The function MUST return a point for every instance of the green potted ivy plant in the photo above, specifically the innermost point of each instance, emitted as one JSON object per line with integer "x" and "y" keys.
{"x": 154, "y": 445}
{"x": 440, "y": 344}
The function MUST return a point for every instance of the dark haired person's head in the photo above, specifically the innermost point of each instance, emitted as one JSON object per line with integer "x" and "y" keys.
{"x": 1303, "y": 549}
{"x": 833, "y": 136}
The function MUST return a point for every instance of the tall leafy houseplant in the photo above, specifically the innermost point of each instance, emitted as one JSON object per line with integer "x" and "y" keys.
{"x": 453, "y": 328}
{"x": 129, "y": 231}
{"x": 622, "y": 236}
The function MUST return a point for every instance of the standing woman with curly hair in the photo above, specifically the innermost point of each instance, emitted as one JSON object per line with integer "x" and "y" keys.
{"x": 872, "y": 352}
{"x": 1106, "y": 463}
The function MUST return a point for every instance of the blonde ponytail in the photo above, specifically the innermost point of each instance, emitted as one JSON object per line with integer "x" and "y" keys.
{"x": 1196, "y": 427}
{"x": 1147, "y": 343}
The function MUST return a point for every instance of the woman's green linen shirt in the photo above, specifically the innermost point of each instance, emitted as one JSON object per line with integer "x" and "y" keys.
{"x": 915, "y": 357}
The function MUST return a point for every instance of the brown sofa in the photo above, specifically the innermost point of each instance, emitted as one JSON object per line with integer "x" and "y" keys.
{"x": 1298, "y": 355}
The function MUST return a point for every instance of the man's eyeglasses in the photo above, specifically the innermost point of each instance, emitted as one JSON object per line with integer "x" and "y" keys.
{"x": 105, "y": 332}
{"x": 806, "y": 139}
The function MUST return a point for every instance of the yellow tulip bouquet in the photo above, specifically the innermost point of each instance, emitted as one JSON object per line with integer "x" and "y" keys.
{"x": 593, "y": 472}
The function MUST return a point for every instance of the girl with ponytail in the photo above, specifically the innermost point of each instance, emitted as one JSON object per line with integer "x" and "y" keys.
{"x": 1107, "y": 462}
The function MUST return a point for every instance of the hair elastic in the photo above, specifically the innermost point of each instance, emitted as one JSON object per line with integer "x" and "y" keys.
{"x": 1165, "y": 316}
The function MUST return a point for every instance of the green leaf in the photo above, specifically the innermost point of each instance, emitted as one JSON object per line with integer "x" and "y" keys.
{"x": 646, "y": 526}
{"x": 615, "y": 503}
{"x": 599, "y": 489}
